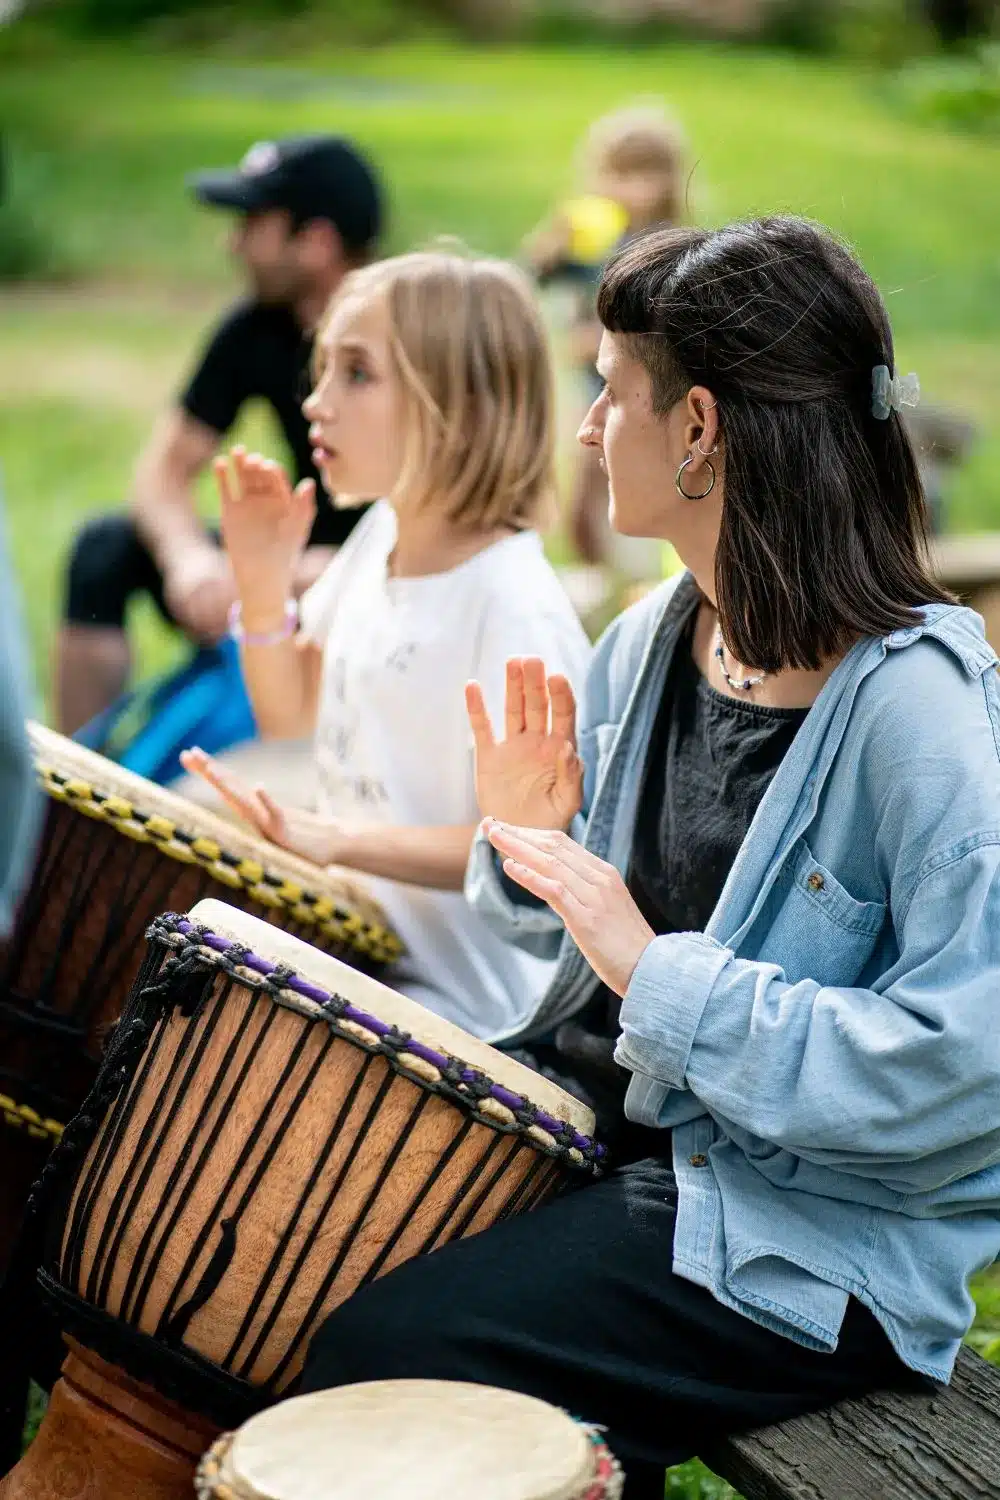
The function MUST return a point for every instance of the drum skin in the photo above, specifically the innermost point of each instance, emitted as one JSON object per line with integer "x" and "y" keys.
{"x": 448, "y": 1438}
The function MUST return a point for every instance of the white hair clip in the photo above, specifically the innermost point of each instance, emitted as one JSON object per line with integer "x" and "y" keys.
{"x": 892, "y": 392}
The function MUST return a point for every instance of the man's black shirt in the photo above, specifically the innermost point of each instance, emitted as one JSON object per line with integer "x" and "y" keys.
{"x": 261, "y": 351}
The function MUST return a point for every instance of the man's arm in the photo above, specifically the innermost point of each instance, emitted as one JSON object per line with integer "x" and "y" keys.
{"x": 197, "y": 580}
{"x": 163, "y": 499}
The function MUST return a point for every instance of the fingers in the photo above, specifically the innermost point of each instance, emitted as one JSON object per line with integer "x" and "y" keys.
{"x": 563, "y": 708}
{"x": 275, "y": 819}
{"x": 552, "y": 892}
{"x": 569, "y": 773}
{"x": 536, "y": 697}
{"x": 303, "y": 505}
{"x": 259, "y": 478}
{"x": 220, "y": 468}
{"x": 514, "y": 700}
{"x": 238, "y": 795}
{"x": 552, "y": 854}
{"x": 479, "y": 719}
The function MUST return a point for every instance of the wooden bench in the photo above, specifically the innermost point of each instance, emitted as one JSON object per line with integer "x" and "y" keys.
{"x": 943, "y": 1446}
{"x": 970, "y": 567}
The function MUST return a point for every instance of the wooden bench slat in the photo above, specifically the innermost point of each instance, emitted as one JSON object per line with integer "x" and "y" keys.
{"x": 967, "y": 562}
{"x": 944, "y": 1446}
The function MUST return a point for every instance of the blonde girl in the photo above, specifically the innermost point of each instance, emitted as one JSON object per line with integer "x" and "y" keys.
{"x": 433, "y": 389}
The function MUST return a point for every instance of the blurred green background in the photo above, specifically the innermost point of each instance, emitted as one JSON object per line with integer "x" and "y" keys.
{"x": 474, "y": 141}
{"x": 114, "y": 275}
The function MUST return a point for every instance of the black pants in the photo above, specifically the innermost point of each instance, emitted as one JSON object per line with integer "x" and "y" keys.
{"x": 109, "y": 564}
{"x": 576, "y": 1304}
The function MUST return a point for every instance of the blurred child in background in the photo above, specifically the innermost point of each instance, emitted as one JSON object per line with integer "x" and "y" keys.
{"x": 634, "y": 171}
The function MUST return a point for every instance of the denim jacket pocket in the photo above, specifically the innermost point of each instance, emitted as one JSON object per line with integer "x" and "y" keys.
{"x": 820, "y": 931}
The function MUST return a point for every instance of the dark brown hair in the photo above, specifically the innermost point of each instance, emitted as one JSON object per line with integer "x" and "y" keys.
{"x": 823, "y": 535}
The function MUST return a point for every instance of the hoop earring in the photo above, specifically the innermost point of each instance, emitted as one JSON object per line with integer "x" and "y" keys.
{"x": 697, "y": 443}
{"x": 683, "y": 492}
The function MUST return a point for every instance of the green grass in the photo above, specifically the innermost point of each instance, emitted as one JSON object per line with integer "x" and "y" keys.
{"x": 474, "y": 144}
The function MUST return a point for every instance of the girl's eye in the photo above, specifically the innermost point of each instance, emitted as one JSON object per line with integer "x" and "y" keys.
{"x": 357, "y": 374}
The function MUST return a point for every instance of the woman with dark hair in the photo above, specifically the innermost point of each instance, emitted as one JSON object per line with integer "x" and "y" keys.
{"x": 768, "y": 857}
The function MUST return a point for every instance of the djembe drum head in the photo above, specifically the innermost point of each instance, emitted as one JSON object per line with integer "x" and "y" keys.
{"x": 410, "y": 1440}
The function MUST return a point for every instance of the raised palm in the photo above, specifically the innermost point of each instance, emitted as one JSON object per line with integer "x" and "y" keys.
{"x": 533, "y": 776}
{"x": 265, "y": 523}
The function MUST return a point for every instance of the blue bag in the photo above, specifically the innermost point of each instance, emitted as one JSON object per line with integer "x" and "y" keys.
{"x": 201, "y": 703}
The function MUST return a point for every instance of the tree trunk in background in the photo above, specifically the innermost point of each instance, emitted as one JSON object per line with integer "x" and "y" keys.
{"x": 959, "y": 20}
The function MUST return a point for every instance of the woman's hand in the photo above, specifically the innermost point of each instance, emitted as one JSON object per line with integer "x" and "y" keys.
{"x": 533, "y": 776}
{"x": 587, "y": 893}
{"x": 314, "y": 838}
{"x": 265, "y": 527}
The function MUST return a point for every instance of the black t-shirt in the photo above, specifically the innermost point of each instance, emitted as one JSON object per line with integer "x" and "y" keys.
{"x": 261, "y": 351}
{"x": 711, "y": 758}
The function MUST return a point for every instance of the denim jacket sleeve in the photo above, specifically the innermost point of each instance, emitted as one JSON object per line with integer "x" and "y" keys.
{"x": 900, "y": 1082}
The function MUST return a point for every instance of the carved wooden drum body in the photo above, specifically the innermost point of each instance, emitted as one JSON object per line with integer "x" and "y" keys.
{"x": 116, "y": 852}
{"x": 270, "y": 1131}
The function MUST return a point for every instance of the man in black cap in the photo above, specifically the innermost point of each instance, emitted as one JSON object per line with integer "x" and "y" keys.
{"x": 308, "y": 211}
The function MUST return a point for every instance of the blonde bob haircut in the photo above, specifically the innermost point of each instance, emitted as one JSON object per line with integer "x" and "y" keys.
{"x": 641, "y": 139}
{"x": 470, "y": 351}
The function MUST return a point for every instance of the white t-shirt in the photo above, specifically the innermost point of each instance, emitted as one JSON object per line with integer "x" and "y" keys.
{"x": 393, "y": 743}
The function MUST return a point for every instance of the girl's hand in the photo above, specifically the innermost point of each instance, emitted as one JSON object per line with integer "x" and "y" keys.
{"x": 587, "y": 893}
{"x": 314, "y": 838}
{"x": 265, "y": 527}
{"x": 533, "y": 776}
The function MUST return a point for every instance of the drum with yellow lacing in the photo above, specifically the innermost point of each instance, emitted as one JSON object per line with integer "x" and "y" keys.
{"x": 116, "y": 851}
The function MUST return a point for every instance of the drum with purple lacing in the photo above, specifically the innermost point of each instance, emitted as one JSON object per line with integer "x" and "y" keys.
{"x": 270, "y": 1131}
{"x": 448, "y": 1438}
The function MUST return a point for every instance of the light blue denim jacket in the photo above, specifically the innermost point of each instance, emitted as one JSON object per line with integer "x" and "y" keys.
{"x": 827, "y": 1052}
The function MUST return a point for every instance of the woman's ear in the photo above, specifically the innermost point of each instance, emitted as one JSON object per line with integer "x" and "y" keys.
{"x": 701, "y": 434}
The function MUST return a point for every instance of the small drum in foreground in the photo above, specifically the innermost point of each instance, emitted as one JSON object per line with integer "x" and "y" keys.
{"x": 270, "y": 1131}
{"x": 116, "y": 852}
{"x": 410, "y": 1440}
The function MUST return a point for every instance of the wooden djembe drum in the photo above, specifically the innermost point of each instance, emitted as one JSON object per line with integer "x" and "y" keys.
{"x": 117, "y": 851}
{"x": 270, "y": 1131}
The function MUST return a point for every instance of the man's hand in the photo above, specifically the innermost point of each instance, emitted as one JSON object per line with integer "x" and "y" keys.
{"x": 199, "y": 589}
{"x": 314, "y": 838}
{"x": 533, "y": 776}
{"x": 311, "y": 565}
{"x": 586, "y": 892}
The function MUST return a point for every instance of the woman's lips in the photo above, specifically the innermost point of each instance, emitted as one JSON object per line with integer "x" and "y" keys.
{"x": 322, "y": 455}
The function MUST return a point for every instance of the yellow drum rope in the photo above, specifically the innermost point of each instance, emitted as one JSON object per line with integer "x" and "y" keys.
{"x": 247, "y": 875}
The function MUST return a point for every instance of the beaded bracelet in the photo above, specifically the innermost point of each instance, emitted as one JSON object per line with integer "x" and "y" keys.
{"x": 266, "y": 637}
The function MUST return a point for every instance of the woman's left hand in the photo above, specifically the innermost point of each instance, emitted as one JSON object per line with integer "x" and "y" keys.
{"x": 586, "y": 892}
{"x": 314, "y": 838}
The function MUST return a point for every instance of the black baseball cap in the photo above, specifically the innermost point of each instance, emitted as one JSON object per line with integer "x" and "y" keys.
{"x": 313, "y": 177}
